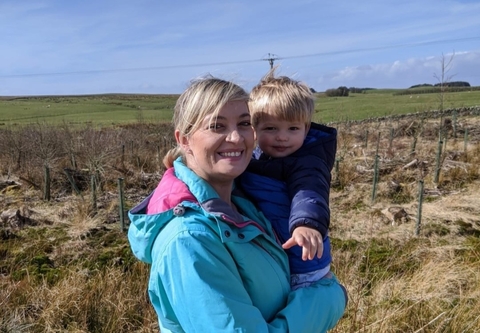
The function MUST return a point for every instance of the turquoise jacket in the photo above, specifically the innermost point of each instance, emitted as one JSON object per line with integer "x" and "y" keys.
{"x": 214, "y": 270}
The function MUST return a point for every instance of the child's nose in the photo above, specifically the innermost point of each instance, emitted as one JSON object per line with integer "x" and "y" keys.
{"x": 282, "y": 137}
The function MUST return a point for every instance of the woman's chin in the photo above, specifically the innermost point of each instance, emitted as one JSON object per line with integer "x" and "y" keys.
{"x": 234, "y": 169}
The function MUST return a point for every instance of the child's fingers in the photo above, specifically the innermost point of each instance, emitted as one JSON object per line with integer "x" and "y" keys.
{"x": 320, "y": 251}
{"x": 309, "y": 249}
{"x": 313, "y": 249}
{"x": 305, "y": 253}
{"x": 289, "y": 243}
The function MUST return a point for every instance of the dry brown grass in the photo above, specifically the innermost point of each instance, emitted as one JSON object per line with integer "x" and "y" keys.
{"x": 400, "y": 282}
{"x": 83, "y": 301}
{"x": 73, "y": 270}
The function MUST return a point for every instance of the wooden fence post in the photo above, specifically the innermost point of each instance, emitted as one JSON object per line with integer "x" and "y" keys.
{"x": 72, "y": 182}
{"x": 337, "y": 169}
{"x": 366, "y": 139}
{"x": 414, "y": 144}
{"x": 73, "y": 161}
{"x": 465, "y": 141}
{"x": 93, "y": 189}
{"x": 378, "y": 144}
{"x": 419, "y": 212}
{"x": 46, "y": 185}
{"x": 390, "y": 141}
{"x": 445, "y": 138}
{"x": 438, "y": 161}
{"x": 375, "y": 179}
{"x": 454, "y": 124}
{"x": 121, "y": 204}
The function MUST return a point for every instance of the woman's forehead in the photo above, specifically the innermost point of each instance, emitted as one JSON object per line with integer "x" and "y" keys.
{"x": 231, "y": 110}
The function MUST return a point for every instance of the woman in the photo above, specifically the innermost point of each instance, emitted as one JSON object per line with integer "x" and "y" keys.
{"x": 216, "y": 265}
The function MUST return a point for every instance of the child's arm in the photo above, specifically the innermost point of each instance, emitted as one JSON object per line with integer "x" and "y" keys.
{"x": 308, "y": 184}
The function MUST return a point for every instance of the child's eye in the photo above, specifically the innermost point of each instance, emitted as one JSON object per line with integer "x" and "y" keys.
{"x": 245, "y": 123}
{"x": 270, "y": 128}
{"x": 294, "y": 128}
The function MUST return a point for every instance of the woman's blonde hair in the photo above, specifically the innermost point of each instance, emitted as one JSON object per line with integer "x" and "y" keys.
{"x": 204, "y": 97}
{"x": 283, "y": 98}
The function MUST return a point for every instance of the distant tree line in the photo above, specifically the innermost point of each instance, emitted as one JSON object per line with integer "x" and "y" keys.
{"x": 339, "y": 92}
{"x": 355, "y": 90}
{"x": 437, "y": 88}
{"x": 445, "y": 84}
{"x": 343, "y": 91}
{"x": 452, "y": 86}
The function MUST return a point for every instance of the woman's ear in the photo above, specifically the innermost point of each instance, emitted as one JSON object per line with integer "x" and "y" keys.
{"x": 182, "y": 141}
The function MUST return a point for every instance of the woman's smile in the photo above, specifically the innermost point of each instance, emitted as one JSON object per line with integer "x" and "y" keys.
{"x": 231, "y": 154}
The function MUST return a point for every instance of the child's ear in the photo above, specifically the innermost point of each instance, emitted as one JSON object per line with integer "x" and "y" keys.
{"x": 307, "y": 128}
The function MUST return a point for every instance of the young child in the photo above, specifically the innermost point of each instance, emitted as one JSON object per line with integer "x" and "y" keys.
{"x": 290, "y": 173}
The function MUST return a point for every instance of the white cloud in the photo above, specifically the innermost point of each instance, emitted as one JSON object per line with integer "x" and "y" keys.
{"x": 465, "y": 66}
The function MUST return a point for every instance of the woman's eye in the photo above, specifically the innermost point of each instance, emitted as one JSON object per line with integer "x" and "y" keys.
{"x": 214, "y": 126}
{"x": 245, "y": 123}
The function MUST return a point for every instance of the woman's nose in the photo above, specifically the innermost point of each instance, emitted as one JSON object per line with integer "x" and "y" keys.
{"x": 233, "y": 136}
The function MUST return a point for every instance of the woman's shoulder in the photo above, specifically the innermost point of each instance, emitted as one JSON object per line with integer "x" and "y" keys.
{"x": 188, "y": 232}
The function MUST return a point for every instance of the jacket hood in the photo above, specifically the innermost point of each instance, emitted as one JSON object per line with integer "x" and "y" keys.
{"x": 180, "y": 189}
{"x": 321, "y": 140}
{"x": 144, "y": 228}
{"x": 161, "y": 206}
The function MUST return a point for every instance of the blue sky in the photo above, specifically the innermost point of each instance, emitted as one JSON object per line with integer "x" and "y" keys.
{"x": 62, "y": 47}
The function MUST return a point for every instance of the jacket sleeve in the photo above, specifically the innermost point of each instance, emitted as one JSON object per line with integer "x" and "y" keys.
{"x": 206, "y": 293}
{"x": 308, "y": 182}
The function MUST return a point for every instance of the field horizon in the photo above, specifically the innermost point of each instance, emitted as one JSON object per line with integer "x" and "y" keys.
{"x": 117, "y": 109}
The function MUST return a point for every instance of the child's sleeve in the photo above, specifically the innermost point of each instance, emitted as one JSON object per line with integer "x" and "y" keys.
{"x": 308, "y": 182}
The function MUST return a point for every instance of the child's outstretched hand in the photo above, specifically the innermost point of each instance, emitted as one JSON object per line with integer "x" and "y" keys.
{"x": 309, "y": 239}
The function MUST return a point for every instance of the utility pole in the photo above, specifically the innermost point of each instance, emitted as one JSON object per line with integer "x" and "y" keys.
{"x": 271, "y": 58}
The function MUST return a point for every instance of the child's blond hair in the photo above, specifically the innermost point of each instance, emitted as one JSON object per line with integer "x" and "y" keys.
{"x": 283, "y": 98}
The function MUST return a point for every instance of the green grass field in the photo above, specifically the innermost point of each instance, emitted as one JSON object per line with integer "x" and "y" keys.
{"x": 378, "y": 103}
{"x": 98, "y": 109}
{"x": 112, "y": 109}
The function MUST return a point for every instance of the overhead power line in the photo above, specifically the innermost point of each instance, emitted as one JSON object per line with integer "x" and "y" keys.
{"x": 271, "y": 58}
{"x": 135, "y": 69}
{"x": 389, "y": 47}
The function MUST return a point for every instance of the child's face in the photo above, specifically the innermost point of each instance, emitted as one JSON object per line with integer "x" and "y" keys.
{"x": 280, "y": 138}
